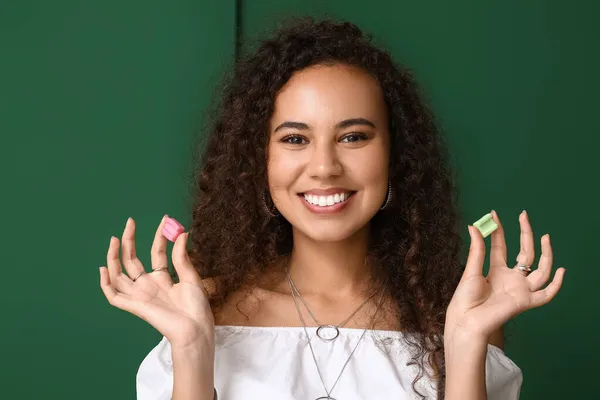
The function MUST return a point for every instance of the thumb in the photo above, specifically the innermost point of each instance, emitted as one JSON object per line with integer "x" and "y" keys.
{"x": 182, "y": 263}
{"x": 476, "y": 255}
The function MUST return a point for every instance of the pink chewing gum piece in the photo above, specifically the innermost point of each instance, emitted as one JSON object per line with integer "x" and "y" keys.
{"x": 172, "y": 229}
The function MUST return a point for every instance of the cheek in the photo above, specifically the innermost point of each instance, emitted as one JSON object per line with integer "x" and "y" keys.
{"x": 371, "y": 167}
{"x": 282, "y": 169}
{"x": 371, "y": 177}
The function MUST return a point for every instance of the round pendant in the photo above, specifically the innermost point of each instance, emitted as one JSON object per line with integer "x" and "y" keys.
{"x": 327, "y": 333}
{"x": 325, "y": 398}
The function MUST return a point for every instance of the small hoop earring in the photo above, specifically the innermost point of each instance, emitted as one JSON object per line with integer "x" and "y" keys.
{"x": 388, "y": 196}
{"x": 270, "y": 211}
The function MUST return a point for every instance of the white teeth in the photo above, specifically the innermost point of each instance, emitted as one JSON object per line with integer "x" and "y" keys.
{"x": 324, "y": 201}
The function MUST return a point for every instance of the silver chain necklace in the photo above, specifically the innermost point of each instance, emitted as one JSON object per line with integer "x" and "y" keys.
{"x": 328, "y": 332}
{"x": 328, "y": 396}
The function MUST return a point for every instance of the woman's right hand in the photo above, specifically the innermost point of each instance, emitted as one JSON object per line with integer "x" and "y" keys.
{"x": 180, "y": 311}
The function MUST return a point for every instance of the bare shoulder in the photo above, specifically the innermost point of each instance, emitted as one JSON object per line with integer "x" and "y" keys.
{"x": 254, "y": 305}
{"x": 234, "y": 308}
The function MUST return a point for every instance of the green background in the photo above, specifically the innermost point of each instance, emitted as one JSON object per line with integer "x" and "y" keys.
{"x": 101, "y": 101}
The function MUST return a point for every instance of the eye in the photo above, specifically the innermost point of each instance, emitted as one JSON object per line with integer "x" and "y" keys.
{"x": 354, "y": 137}
{"x": 294, "y": 139}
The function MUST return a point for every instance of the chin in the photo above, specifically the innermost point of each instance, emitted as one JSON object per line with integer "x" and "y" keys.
{"x": 326, "y": 231}
{"x": 328, "y": 237}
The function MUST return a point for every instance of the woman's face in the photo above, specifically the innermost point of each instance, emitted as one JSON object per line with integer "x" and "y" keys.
{"x": 329, "y": 151}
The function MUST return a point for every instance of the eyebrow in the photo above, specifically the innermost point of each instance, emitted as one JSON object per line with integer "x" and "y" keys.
{"x": 341, "y": 125}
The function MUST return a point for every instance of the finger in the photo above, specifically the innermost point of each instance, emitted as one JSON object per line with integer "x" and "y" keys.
{"x": 114, "y": 297}
{"x": 144, "y": 310}
{"x": 527, "y": 254}
{"x": 476, "y": 256}
{"x": 132, "y": 264}
{"x": 183, "y": 264}
{"x": 498, "y": 250}
{"x": 538, "y": 278}
{"x": 544, "y": 296}
{"x": 115, "y": 272}
{"x": 159, "y": 258}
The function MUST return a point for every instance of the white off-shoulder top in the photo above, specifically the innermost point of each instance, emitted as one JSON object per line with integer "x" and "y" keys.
{"x": 276, "y": 363}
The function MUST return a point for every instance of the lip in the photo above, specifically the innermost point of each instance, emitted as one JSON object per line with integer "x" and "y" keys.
{"x": 335, "y": 208}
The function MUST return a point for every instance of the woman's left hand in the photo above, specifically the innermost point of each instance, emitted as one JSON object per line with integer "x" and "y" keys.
{"x": 482, "y": 304}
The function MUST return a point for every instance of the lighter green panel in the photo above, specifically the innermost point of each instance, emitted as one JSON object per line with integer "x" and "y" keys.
{"x": 99, "y": 105}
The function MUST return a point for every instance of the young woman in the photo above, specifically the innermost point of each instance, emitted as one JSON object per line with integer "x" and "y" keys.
{"x": 325, "y": 258}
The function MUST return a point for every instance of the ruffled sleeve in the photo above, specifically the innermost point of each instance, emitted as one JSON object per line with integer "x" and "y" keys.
{"x": 154, "y": 379}
{"x": 503, "y": 377}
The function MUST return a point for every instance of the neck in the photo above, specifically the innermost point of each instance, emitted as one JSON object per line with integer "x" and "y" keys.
{"x": 332, "y": 269}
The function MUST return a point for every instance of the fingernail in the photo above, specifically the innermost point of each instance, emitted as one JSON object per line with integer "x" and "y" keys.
{"x": 524, "y": 212}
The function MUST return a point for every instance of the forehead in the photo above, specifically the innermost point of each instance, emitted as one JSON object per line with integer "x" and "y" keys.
{"x": 328, "y": 94}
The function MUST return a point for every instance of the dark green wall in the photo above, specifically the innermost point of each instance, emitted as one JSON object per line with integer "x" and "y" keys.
{"x": 100, "y": 102}
{"x": 515, "y": 86}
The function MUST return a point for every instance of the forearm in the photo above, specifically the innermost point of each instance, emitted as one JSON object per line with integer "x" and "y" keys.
{"x": 465, "y": 367}
{"x": 193, "y": 372}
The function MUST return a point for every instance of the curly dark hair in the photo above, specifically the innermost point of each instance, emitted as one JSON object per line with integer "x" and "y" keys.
{"x": 414, "y": 243}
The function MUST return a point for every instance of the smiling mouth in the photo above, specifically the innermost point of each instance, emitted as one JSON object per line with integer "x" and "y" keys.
{"x": 326, "y": 201}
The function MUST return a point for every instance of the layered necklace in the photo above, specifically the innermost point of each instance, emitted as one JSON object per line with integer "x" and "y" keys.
{"x": 327, "y": 332}
{"x": 333, "y": 332}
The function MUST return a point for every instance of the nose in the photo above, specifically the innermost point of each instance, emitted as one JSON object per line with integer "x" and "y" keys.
{"x": 324, "y": 162}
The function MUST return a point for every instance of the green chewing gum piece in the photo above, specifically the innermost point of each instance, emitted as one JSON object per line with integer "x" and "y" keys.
{"x": 486, "y": 225}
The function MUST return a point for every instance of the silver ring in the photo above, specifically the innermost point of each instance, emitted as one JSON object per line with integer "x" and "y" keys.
{"x": 524, "y": 269}
{"x": 160, "y": 269}
{"x": 138, "y": 275}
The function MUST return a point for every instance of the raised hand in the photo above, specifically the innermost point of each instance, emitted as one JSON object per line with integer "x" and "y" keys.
{"x": 181, "y": 311}
{"x": 482, "y": 304}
